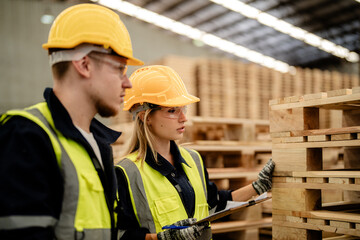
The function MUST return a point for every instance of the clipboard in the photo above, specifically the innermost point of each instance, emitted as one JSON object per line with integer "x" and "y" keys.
{"x": 231, "y": 210}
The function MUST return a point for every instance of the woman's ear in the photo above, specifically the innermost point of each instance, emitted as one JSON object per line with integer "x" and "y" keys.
{"x": 141, "y": 116}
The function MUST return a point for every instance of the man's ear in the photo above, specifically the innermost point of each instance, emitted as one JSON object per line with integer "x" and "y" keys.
{"x": 82, "y": 66}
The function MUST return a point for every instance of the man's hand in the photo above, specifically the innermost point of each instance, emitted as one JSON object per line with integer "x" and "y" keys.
{"x": 263, "y": 183}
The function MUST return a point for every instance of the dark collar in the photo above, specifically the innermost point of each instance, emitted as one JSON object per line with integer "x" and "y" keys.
{"x": 163, "y": 166}
{"x": 63, "y": 122}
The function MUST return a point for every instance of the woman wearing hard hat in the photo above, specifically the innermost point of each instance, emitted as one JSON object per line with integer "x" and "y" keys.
{"x": 161, "y": 183}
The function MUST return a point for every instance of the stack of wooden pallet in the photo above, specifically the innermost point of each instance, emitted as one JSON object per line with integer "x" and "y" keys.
{"x": 234, "y": 151}
{"x": 312, "y": 200}
{"x": 233, "y": 89}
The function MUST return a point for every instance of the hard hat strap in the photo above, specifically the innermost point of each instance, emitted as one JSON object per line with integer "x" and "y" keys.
{"x": 75, "y": 54}
{"x": 142, "y": 107}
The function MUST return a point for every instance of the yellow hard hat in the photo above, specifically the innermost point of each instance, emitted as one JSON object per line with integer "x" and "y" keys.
{"x": 94, "y": 24}
{"x": 159, "y": 85}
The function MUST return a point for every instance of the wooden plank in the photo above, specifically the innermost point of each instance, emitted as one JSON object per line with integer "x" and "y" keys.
{"x": 321, "y": 174}
{"x": 327, "y": 144}
{"x": 336, "y": 216}
{"x": 351, "y": 101}
{"x": 342, "y": 237}
{"x": 224, "y": 120}
{"x": 234, "y": 143}
{"x": 221, "y": 227}
{"x": 228, "y": 148}
{"x": 317, "y": 186}
{"x": 231, "y": 173}
{"x": 328, "y": 131}
{"x": 326, "y": 228}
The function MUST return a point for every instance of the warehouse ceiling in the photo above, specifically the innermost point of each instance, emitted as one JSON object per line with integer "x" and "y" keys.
{"x": 335, "y": 20}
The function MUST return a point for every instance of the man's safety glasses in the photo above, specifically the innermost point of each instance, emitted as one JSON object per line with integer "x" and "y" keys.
{"x": 115, "y": 64}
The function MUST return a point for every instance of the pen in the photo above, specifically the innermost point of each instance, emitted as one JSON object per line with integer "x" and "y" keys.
{"x": 174, "y": 227}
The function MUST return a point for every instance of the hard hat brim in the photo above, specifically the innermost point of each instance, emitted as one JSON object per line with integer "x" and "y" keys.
{"x": 175, "y": 102}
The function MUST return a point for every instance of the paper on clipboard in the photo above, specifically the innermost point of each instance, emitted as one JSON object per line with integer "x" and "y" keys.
{"x": 232, "y": 207}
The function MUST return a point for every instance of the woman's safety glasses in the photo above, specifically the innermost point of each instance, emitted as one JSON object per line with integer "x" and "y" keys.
{"x": 171, "y": 112}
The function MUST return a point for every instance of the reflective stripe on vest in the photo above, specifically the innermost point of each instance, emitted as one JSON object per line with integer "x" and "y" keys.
{"x": 155, "y": 200}
{"x": 84, "y": 216}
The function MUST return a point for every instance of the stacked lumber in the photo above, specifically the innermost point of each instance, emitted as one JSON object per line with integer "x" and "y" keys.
{"x": 234, "y": 89}
{"x": 234, "y": 151}
{"x": 312, "y": 200}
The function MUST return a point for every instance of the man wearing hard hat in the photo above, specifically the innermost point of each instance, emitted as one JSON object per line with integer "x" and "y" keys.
{"x": 56, "y": 167}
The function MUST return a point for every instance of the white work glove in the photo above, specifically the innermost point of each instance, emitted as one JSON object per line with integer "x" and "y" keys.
{"x": 263, "y": 183}
{"x": 189, "y": 233}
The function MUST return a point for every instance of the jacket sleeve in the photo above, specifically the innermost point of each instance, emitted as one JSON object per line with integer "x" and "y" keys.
{"x": 30, "y": 180}
{"x": 216, "y": 198}
{"x": 127, "y": 223}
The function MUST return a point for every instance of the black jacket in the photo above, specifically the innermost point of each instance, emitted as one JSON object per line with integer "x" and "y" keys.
{"x": 30, "y": 178}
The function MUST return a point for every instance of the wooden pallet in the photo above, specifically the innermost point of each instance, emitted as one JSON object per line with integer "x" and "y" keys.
{"x": 300, "y": 210}
{"x": 226, "y": 129}
{"x": 234, "y": 89}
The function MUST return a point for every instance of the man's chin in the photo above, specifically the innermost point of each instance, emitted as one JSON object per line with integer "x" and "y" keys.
{"x": 108, "y": 112}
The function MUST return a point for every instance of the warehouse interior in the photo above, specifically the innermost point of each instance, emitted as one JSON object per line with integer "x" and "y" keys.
{"x": 277, "y": 79}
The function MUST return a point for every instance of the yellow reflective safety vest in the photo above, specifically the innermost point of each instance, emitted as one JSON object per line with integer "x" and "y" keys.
{"x": 155, "y": 200}
{"x": 84, "y": 213}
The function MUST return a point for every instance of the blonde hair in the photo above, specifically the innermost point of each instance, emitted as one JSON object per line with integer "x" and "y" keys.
{"x": 142, "y": 138}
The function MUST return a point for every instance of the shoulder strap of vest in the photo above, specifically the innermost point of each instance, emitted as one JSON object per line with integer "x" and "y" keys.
{"x": 37, "y": 117}
{"x": 195, "y": 156}
{"x": 69, "y": 205}
{"x": 137, "y": 193}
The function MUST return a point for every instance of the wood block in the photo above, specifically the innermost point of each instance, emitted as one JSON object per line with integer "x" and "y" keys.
{"x": 356, "y": 89}
{"x": 286, "y": 233}
{"x": 339, "y": 92}
{"x": 289, "y": 139}
{"x": 290, "y": 160}
{"x": 296, "y": 199}
{"x": 345, "y": 136}
{"x": 294, "y": 180}
{"x": 339, "y": 180}
{"x": 313, "y": 96}
{"x": 316, "y": 221}
{"x": 316, "y": 180}
{"x": 294, "y": 219}
{"x": 294, "y": 119}
{"x": 319, "y": 138}
{"x": 332, "y": 195}
{"x": 297, "y": 159}
{"x": 340, "y": 224}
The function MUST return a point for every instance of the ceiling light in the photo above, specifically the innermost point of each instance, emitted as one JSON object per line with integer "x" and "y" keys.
{"x": 47, "y": 19}
{"x": 196, "y": 34}
{"x": 287, "y": 28}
